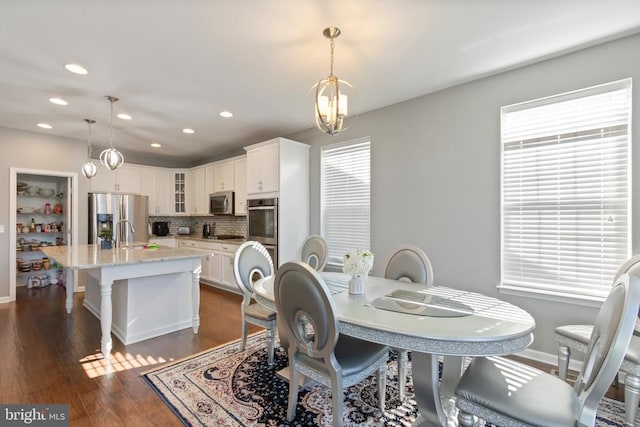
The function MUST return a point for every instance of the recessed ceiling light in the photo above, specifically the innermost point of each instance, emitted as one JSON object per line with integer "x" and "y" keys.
{"x": 226, "y": 114}
{"x": 58, "y": 101}
{"x": 123, "y": 116}
{"x": 45, "y": 126}
{"x": 76, "y": 69}
{"x": 187, "y": 130}
{"x": 155, "y": 145}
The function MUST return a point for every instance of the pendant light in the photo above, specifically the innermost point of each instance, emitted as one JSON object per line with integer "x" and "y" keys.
{"x": 111, "y": 157}
{"x": 89, "y": 169}
{"x": 334, "y": 98}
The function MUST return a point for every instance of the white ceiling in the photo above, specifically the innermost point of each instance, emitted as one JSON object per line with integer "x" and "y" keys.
{"x": 178, "y": 63}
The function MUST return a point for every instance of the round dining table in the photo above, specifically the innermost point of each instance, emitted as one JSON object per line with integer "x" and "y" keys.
{"x": 430, "y": 322}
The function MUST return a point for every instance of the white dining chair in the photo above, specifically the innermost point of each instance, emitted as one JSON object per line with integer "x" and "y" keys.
{"x": 507, "y": 393}
{"x": 316, "y": 349}
{"x": 408, "y": 263}
{"x": 252, "y": 262}
{"x": 315, "y": 252}
{"x": 576, "y": 337}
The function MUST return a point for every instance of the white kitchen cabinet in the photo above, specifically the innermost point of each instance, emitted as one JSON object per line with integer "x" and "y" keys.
{"x": 240, "y": 182}
{"x": 179, "y": 193}
{"x": 227, "y": 278}
{"x": 224, "y": 176}
{"x": 287, "y": 162}
{"x": 125, "y": 179}
{"x": 263, "y": 167}
{"x": 158, "y": 184}
{"x": 217, "y": 265}
{"x": 201, "y": 184}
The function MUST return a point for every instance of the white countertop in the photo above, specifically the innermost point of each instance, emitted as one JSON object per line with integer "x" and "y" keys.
{"x": 91, "y": 256}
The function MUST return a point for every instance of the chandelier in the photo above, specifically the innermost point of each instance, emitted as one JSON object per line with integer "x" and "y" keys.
{"x": 111, "y": 157}
{"x": 331, "y": 102}
{"x": 89, "y": 169}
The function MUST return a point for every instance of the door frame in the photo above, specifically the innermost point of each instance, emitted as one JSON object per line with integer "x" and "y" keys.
{"x": 71, "y": 216}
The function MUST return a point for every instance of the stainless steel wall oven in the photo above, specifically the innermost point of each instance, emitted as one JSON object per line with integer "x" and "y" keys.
{"x": 262, "y": 224}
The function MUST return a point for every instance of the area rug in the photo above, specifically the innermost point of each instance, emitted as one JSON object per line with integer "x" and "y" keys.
{"x": 226, "y": 387}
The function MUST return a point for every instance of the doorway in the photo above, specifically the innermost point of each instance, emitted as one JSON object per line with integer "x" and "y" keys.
{"x": 44, "y": 211}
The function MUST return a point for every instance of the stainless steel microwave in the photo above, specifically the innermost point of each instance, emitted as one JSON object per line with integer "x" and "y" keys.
{"x": 221, "y": 203}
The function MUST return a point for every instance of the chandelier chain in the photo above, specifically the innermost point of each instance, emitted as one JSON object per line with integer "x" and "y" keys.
{"x": 333, "y": 44}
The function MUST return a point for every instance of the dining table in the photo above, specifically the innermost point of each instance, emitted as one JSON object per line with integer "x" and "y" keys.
{"x": 438, "y": 322}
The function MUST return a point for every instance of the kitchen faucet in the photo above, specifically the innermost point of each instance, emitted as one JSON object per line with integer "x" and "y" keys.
{"x": 119, "y": 230}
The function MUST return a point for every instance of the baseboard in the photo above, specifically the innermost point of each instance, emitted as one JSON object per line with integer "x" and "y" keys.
{"x": 5, "y": 300}
{"x": 549, "y": 359}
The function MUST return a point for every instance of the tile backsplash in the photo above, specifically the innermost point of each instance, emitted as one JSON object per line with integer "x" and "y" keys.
{"x": 236, "y": 225}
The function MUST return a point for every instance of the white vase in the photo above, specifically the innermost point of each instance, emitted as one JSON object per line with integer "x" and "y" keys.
{"x": 356, "y": 285}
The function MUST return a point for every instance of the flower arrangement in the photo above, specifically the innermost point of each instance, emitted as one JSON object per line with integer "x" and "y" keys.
{"x": 357, "y": 263}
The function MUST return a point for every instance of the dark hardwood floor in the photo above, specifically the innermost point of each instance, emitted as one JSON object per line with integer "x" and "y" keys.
{"x": 49, "y": 357}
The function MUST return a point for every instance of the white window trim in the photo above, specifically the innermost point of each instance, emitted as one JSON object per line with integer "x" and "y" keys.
{"x": 566, "y": 297}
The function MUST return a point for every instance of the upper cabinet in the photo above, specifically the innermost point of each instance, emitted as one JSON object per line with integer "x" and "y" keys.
{"x": 240, "y": 183}
{"x": 160, "y": 185}
{"x": 263, "y": 167}
{"x": 202, "y": 184}
{"x": 224, "y": 176}
{"x": 125, "y": 179}
{"x": 180, "y": 185}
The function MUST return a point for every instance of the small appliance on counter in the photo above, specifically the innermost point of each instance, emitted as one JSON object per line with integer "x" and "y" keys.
{"x": 184, "y": 230}
{"x": 160, "y": 228}
{"x": 207, "y": 230}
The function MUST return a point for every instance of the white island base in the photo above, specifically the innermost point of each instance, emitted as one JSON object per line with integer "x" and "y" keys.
{"x": 145, "y": 307}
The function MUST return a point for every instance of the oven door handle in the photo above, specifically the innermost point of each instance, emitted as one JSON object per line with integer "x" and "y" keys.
{"x": 261, "y": 208}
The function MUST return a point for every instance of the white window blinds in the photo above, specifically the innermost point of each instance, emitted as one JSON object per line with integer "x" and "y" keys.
{"x": 346, "y": 190}
{"x": 566, "y": 216}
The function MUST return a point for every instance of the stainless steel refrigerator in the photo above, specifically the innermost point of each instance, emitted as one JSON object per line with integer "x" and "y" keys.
{"x": 126, "y": 215}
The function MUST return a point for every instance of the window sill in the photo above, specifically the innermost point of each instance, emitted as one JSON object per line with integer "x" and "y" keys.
{"x": 563, "y": 297}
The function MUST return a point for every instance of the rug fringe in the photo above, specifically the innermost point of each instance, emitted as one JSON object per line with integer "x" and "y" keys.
{"x": 191, "y": 356}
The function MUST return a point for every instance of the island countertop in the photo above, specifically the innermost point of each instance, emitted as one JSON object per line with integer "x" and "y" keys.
{"x": 83, "y": 257}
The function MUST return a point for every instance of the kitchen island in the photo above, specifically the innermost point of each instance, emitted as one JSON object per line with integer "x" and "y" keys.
{"x": 157, "y": 289}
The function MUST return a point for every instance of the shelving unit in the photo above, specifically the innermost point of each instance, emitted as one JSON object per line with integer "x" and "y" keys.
{"x": 40, "y": 217}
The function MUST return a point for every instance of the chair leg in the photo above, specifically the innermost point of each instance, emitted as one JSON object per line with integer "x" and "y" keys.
{"x": 337, "y": 399}
{"x": 382, "y": 387}
{"x": 271, "y": 336}
{"x": 293, "y": 392}
{"x": 631, "y": 398}
{"x": 403, "y": 360}
{"x": 245, "y": 328}
{"x": 465, "y": 420}
{"x": 564, "y": 355}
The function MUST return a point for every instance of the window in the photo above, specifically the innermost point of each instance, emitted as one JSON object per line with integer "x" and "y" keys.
{"x": 346, "y": 190}
{"x": 566, "y": 212}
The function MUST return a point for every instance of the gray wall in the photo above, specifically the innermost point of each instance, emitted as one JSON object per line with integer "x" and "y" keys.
{"x": 32, "y": 150}
{"x": 436, "y": 171}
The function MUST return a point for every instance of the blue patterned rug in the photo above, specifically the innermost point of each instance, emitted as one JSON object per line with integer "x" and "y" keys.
{"x": 225, "y": 387}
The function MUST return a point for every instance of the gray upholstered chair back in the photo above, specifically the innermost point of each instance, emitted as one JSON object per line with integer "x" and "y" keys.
{"x": 306, "y": 310}
{"x": 628, "y": 267}
{"x": 251, "y": 262}
{"x": 409, "y": 263}
{"x": 608, "y": 344}
{"x": 315, "y": 252}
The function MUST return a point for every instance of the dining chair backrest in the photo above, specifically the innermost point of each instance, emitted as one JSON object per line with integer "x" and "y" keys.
{"x": 251, "y": 262}
{"x": 409, "y": 263}
{"x": 608, "y": 344}
{"x": 306, "y": 311}
{"x": 315, "y": 252}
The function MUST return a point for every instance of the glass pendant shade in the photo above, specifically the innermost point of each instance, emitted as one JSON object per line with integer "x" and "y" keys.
{"x": 89, "y": 169}
{"x": 110, "y": 157}
{"x": 333, "y": 98}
